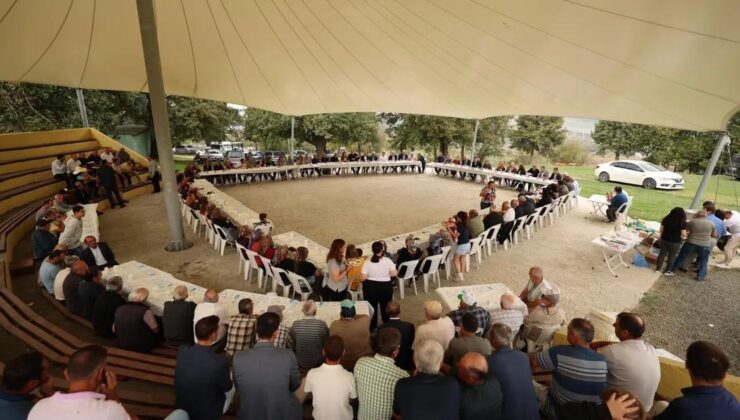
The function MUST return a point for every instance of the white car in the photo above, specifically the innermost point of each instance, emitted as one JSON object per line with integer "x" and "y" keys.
{"x": 639, "y": 172}
{"x": 211, "y": 154}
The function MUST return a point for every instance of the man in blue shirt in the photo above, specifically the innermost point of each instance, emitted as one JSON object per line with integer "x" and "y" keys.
{"x": 511, "y": 369}
{"x": 49, "y": 269}
{"x": 706, "y": 398}
{"x": 21, "y": 377}
{"x": 711, "y": 209}
{"x": 618, "y": 199}
{"x": 578, "y": 373}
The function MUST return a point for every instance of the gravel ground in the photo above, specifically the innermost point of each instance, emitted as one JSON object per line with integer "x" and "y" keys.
{"x": 679, "y": 310}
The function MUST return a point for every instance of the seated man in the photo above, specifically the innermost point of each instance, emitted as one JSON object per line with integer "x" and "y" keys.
{"x": 475, "y": 223}
{"x": 436, "y": 327}
{"x": 466, "y": 341}
{"x": 98, "y": 254}
{"x": 134, "y": 323}
{"x": 69, "y": 261}
{"x": 410, "y": 252}
{"x": 309, "y": 335}
{"x": 514, "y": 318}
{"x": 42, "y": 241}
{"x": 376, "y": 377}
{"x": 267, "y": 376}
{"x": 22, "y": 376}
{"x": 536, "y": 288}
{"x": 526, "y": 205}
{"x": 330, "y": 385}
{"x": 469, "y": 304}
{"x": 241, "y": 334}
{"x": 208, "y": 307}
{"x": 284, "y": 338}
{"x": 405, "y": 358}
{"x": 618, "y": 199}
{"x": 543, "y": 319}
{"x": 480, "y": 395}
{"x": 355, "y": 332}
{"x": 71, "y": 286}
{"x": 177, "y": 318}
{"x": 706, "y": 398}
{"x": 632, "y": 363}
{"x": 493, "y": 218}
{"x": 578, "y": 373}
{"x": 89, "y": 290}
{"x": 104, "y": 309}
{"x": 50, "y": 267}
{"x": 427, "y": 394}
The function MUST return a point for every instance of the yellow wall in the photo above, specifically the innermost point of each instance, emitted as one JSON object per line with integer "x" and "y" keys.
{"x": 36, "y": 138}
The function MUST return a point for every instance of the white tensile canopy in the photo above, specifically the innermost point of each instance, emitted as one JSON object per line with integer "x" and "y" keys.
{"x": 665, "y": 62}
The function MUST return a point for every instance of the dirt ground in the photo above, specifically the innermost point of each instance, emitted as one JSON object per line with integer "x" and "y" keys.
{"x": 381, "y": 206}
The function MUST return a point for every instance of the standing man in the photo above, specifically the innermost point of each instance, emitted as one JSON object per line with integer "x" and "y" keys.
{"x": 154, "y": 174}
{"x": 732, "y": 224}
{"x": 309, "y": 335}
{"x": 266, "y": 376}
{"x": 331, "y": 386}
{"x": 177, "y": 318}
{"x": 487, "y": 195}
{"x": 699, "y": 241}
{"x": 72, "y": 234}
{"x": 242, "y": 328}
{"x": 203, "y": 384}
{"x": 107, "y": 180}
{"x": 405, "y": 358}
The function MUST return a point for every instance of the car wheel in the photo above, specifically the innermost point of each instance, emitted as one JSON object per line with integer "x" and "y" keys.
{"x": 604, "y": 177}
{"x": 649, "y": 183}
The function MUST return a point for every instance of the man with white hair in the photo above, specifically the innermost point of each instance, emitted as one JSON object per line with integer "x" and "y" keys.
{"x": 134, "y": 323}
{"x": 507, "y": 314}
{"x": 309, "y": 335}
{"x": 208, "y": 307}
{"x": 438, "y": 328}
{"x": 536, "y": 288}
{"x": 69, "y": 260}
{"x": 427, "y": 395}
{"x": 104, "y": 310}
{"x": 177, "y": 318}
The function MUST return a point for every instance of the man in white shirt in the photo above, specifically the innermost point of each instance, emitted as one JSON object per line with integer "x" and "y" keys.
{"x": 107, "y": 155}
{"x": 72, "y": 234}
{"x": 61, "y": 275}
{"x": 436, "y": 327}
{"x": 732, "y": 223}
{"x": 331, "y": 385}
{"x": 92, "y": 393}
{"x": 208, "y": 307}
{"x": 632, "y": 364}
{"x": 59, "y": 168}
{"x": 537, "y": 288}
{"x": 73, "y": 163}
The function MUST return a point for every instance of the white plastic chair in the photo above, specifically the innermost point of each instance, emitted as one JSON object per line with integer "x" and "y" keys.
{"x": 528, "y": 224}
{"x": 204, "y": 223}
{"x": 220, "y": 239}
{"x": 516, "y": 231}
{"x": 195, "y": 221}
{"x": 540, "y": 218}
{"x": 406, "y": 271}
{"x": 475, "y": 252}
{"x": 430, "y": 269}
{"x": 300, "y": 285}
{"x": 447, "y": 260}
{"x": 241, "y": 251}
{"x": 268, "y": 271}
{"x": 280, "y": 278}
{"x": 253, "y": 265}
{"x": 491, "y": 240}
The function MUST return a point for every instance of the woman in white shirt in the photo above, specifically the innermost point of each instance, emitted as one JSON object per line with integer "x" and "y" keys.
{"x": 335, "y": 288}
{"x": 377, "y": 287}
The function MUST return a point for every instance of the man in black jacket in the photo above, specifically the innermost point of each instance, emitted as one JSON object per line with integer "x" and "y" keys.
{"x": 71, "y": 285}
{"x": 177, "y": 319}
{"x": 405, "y": 358}
{"x": 89, "y": 290}
{"x": 493, "y": 218}
{"x": 98, "y": 254}
{"x": 104, "y": 310}
{"x": 107, "y": 180}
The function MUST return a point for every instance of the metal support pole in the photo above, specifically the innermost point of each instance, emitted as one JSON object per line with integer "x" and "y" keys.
{"x": 292, "y": 137}
{"x": 475, "y": 139}
{"x": 150, "y": 46}
{"x": 83, "y": 108}
{"x": 721, "y": 143}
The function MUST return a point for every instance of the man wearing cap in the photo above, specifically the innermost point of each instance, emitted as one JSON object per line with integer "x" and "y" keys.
{"x": 50, "y": 267}
{"x": 72, "y": 234}
{"x": 469, "y": 304}
{"x": 410, "y": 252}
{"x": 355, "y": 332}
{"x": 284, "y": 338}
{"x": 98, "y": 254}
{"x": 42, "y": 241}
{"x": 537, "y": 287}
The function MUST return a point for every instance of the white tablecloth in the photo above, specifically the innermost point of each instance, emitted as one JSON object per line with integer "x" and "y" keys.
{"x": 488, "y": 174}
{"x": 487, "y": 295}
{"x": 90, "y": 224}
{"x": 161, "y": 286}
{"x": 295, "y": 170}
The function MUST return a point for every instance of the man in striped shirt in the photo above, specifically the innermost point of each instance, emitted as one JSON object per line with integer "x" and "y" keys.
{"x": 309, "y": 335}
{"x": 578, "y": 373}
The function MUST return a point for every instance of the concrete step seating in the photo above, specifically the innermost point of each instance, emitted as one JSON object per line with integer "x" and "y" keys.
{"x": 57, "y": 345}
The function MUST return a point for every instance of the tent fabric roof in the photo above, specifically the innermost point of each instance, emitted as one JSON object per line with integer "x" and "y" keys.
{"x": 665, "y": 62}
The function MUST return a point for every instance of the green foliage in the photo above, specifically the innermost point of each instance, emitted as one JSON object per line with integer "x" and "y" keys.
{"x": 569, "y": 152}
{"x": 266, "y": 128}
{"x": 194, "y": 119}
{"x": 537, "y": 134}
{"x": 617, "y": 137}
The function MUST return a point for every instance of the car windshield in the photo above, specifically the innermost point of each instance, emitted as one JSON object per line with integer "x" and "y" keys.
{"x": 650, "y": 167}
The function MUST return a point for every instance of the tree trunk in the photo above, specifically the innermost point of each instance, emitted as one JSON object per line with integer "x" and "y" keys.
{"x": 616, "y": 155}
{"x": 462, "y": 153}
{"x": 443, "y": 147}
{"x": 359, "y": 147}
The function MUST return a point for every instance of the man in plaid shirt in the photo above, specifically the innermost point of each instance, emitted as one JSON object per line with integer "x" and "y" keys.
{"x": 284, "y": 338}
{"x": 469, "y": 304}
{"x": 241, "y": 333}
{"x": 376, "y": 377}
{"x": 509, "y": 314}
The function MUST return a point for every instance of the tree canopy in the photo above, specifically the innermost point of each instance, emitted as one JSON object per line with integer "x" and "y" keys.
{"x": 537, "y": 134}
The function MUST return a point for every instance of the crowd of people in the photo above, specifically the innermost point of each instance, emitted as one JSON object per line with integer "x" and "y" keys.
{"x": 682, "y": 241}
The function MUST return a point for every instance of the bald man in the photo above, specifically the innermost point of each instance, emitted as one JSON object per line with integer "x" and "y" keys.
{"x": 632, "y": 364}
{"x": 71, "y": 284}
{"x": 211, "y": 306}
{"x": 480, "y": 395}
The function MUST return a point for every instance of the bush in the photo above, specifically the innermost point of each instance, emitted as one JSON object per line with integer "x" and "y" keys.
{"x": 569, "y": 153}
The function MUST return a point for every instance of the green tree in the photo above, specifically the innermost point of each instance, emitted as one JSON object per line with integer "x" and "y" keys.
{"x": 537, "y": 134}
{"x": 266, "y": 128}
{"x": 194, "y": 119}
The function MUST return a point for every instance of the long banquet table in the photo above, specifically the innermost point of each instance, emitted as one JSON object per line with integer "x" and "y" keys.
{"x": 296, "y": 171}
{"x": 162, "y": 284}
{"x": 486, "y": 174}
{"x": 487, "y": 295}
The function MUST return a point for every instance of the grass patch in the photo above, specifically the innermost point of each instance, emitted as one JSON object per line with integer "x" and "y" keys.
{"x": 654, "y": 204}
